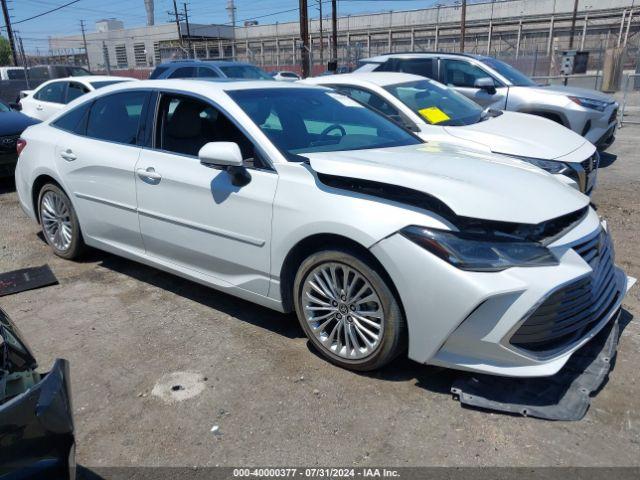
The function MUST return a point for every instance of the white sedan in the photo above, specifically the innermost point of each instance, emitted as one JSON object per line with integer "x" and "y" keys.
{"x": 298, "y": 198}
{"x": 438, "y": 113}
{"x": 52, "y": 96}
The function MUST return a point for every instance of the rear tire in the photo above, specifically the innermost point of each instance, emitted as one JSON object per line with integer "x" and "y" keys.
{"x": 348, "y": 311}
{"x": 59, "y": 222}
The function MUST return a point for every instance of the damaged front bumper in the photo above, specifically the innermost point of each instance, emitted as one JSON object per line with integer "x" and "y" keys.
{"x": 517, "y": 322}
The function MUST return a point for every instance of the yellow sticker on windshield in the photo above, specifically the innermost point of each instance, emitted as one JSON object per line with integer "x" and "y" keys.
{"x": 433, "y": 115}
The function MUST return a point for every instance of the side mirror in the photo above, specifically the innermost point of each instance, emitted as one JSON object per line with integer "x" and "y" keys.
{"x": 487, "y": 84}
{"x": 228, "y": 156}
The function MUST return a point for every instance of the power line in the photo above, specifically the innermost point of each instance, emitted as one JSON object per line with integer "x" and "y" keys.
{"x": 47, "y": 12}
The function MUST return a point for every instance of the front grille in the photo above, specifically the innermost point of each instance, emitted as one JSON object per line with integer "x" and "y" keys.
{"x": 571, "y": 312}
{"x": 590, "y": 166}
{"x": 591, "y": 163}
{"x": 8, "y": 143}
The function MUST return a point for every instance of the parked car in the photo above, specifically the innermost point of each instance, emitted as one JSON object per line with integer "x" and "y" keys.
{"x": 54, "y": 95}
{"x": 36, "y": 420}
{"x": 208, "y": 69}
{"x": 437, "y": 113}
{"x": 496, "y": 84}
{"x": 12, "y": 73}
{"x": 285, "y": 76}
{"x": 12, "y": 124}
{"x": 299, "y": 198}
{"x": 42, "y": 73}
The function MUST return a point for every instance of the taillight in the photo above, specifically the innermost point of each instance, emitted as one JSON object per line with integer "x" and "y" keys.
{"x": 20, "y": 144}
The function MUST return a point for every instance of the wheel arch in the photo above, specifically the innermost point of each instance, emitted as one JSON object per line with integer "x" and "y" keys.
{"x": 325, "y": 241}
{"x": 39, "y": 182}
{"x": 554, "y": 116}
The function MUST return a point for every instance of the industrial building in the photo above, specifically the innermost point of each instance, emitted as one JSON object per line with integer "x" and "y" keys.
{"x": 517, "y": 29}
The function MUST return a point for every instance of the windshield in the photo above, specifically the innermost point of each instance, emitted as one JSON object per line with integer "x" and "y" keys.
{"x": 516, "y": 77}
{"x": 245, "y": 71}
{"x": 300, "y": 121}
{"x": 4, "y": 107}
{"x": 106, "y": 83}
{"x": 437, "y": 104}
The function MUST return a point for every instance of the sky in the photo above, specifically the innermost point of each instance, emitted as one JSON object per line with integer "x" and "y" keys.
{"x": 66, "y": 21}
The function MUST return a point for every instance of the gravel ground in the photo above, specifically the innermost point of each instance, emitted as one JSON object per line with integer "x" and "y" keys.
{"x": 131, "y": 331}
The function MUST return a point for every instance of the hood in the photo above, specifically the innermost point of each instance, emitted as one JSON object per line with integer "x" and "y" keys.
{"x": 573, "y": 91}
{"x": 13, "y": 123}
{"x": 511, "y": 134}
{"x": 470, "y": 183}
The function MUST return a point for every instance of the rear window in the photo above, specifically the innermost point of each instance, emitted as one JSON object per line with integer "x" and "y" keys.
{"x": 157, "y": 72}
{"x": 288, "y": 75}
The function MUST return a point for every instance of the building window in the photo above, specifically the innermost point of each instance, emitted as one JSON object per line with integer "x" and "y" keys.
{"x": 121, "y": 56}
{"x": 140, "y": 54}
{"x": 157, "y": 58}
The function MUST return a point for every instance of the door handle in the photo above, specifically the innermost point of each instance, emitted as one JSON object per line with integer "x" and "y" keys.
{"x": 68, "y": 155}
{"x": 39, "y": 107}
{"x": 149, "y": 174}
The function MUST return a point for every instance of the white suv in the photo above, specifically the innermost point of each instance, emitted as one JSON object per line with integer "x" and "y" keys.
{"x": 496, "y": 84}
{"x": 299, "y": 198}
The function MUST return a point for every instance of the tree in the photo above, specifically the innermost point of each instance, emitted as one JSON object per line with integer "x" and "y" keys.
{"x": 5, "y": 51}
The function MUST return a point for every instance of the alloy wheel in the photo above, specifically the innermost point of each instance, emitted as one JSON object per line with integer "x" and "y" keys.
{"x": 343, "y": 310}
{"x": 56, "y": 220}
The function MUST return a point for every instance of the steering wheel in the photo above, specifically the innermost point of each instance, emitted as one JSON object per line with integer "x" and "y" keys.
{"x": 335, "y": 126}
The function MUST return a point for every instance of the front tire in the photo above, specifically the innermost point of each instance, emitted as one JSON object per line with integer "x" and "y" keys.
{"x": 59, "y": 222}
{"x": 348, "y": 311}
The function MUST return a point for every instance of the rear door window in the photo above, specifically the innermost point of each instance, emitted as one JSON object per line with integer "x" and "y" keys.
{"x": 207, "y": 72}
{"x": 116, "y": 117}
{"x": 184, "y": 72}
{"x": 53, "y": 92}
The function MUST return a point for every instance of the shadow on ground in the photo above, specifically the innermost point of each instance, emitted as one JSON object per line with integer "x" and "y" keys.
{"x": 607, "y": 159}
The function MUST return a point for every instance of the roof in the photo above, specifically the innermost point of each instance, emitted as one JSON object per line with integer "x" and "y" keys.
{"x": 205, "y": 86}
{"x": 191, "y": 61}
{"x": 380, "y": 79}
{"x": 386, "y": 56}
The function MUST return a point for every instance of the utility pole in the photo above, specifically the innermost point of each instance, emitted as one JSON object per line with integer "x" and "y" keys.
{"x": 334, "y": 36}
{"x": 186, "y": 19}
{"x": 7, "y": 22}
{"x": 177, "y": 18}
{"x": 24, "y": 63}
{"x": 105, "y": 55}
{"x": 321, "y": 35}
{"x": 304, "y": 36}
{"x": 84, "y": 40}
{"x": 573, "y": 24}
{"x": 463, "y": 24}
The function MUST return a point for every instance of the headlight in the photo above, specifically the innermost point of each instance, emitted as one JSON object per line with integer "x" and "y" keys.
{"x": 482, "y": 253}
{"x": 548, "y": 165}
{"x": 590, "y": 103}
